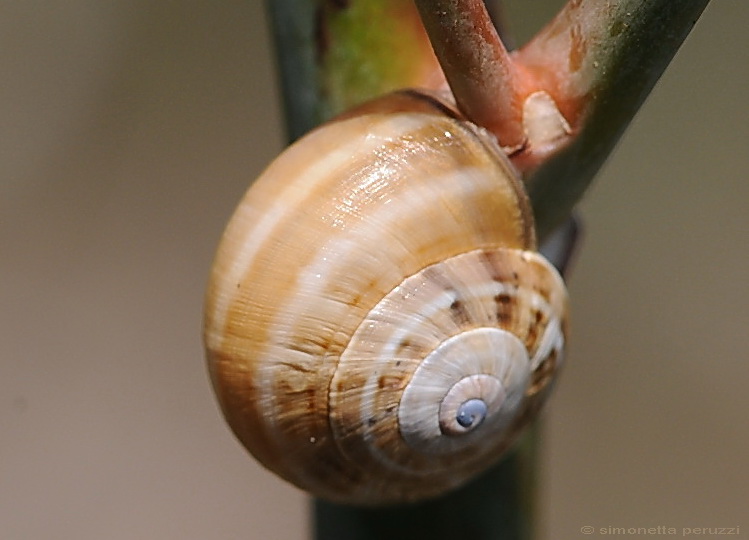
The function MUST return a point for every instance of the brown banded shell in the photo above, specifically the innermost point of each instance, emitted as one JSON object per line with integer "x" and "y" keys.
{"x": 378, "y": 326}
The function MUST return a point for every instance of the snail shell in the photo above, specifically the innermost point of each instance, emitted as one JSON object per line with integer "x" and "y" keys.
{"x": 378, "y": 325}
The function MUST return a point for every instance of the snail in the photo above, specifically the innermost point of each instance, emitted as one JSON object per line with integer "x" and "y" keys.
{"x": 378, "y": 324}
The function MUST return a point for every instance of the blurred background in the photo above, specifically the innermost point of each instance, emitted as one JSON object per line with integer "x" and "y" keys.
{"x": 129, "y": 131}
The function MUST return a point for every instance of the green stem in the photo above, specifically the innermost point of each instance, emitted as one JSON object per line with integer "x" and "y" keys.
{"x": 600, "y": 60}
{"x": 293, "y": 24}
{"x": 497, "y": 505}
{"x": 335, "y": 54}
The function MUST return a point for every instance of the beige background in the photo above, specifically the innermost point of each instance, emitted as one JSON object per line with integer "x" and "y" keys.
{"x": 129, "y": 131}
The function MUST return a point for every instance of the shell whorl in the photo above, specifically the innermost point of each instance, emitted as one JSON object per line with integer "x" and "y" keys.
{"x": 360, "y": 299}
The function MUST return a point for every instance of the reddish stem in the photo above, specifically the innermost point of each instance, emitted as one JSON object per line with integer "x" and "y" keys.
{"x": 563, "y": 58}
{"x": 478, "y": 68}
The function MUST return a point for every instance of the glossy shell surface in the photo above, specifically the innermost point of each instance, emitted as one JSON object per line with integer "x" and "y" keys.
{"x": 378, "y": 326}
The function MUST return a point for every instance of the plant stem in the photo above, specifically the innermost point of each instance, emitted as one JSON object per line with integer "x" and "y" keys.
{"x": 477, "y": 65}
{"x": 293, "y": 25}
{"x": 334, "y": 55}
{"x": 599, "y": 60}
{"x": 497, "y": 505}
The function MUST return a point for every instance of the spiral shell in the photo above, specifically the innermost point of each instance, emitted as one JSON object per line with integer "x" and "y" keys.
{"x": 378, "y": 326}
